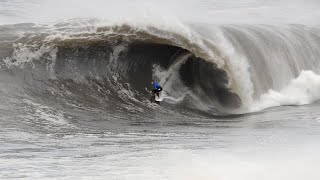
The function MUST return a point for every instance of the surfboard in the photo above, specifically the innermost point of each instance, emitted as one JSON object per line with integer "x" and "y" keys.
{"x": 158, "y": 99}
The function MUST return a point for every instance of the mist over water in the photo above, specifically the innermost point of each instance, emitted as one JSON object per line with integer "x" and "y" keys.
{"x": 240, "y": 101}
{"x": 207, "y": 11}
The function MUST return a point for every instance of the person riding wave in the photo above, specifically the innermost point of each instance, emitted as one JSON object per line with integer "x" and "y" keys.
{"x": 156, "y": 88}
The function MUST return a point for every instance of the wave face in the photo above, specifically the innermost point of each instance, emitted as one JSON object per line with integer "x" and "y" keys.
{"x": 203, "y": 68}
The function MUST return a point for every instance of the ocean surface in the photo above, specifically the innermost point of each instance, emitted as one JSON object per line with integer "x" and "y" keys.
{"x": 241, "y": 98}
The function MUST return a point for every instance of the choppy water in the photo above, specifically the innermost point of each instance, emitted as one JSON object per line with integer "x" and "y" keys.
{"x": 241, "y": 90}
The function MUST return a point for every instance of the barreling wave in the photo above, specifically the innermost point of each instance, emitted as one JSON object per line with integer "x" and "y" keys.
{"x": 209, "y": 70}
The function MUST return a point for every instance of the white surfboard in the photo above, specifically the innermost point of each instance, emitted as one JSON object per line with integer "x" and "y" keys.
{"x": 158, "y": 99}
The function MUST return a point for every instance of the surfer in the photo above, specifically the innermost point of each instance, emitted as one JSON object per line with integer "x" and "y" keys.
{"x": 156, "y": 88}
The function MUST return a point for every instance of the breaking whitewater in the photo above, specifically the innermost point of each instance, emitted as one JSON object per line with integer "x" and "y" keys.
{"x": 206, "y": 69}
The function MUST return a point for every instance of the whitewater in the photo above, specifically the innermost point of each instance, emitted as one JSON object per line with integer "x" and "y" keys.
{"x": 241, "y": 94}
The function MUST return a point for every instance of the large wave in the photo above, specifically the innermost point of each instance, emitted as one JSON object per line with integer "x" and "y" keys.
{"x": 203, "y": 68}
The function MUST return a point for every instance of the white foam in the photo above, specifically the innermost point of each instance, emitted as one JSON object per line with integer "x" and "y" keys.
{"x": 45, "y": 115}
{"x": 305, "y": 89}
{"x": 24, "y": 54}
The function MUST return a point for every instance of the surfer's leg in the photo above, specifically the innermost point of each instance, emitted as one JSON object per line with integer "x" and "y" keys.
{"x": 158, "y": 91}
{"x": 155, "y": 92}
